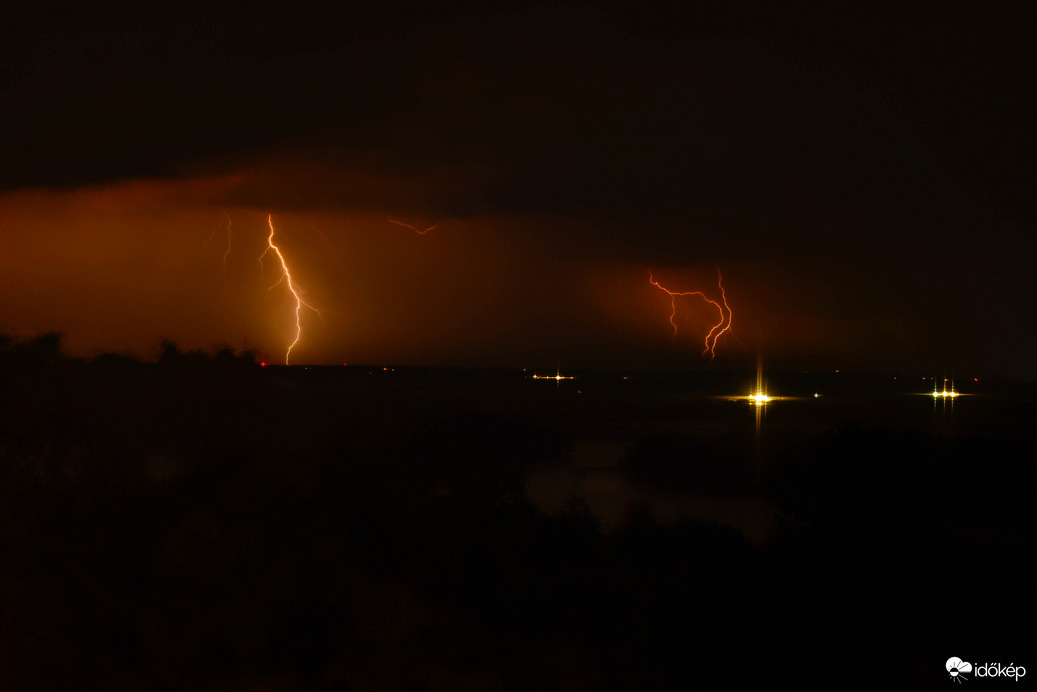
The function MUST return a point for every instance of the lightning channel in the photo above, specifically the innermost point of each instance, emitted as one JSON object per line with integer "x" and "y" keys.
{"x": 286, "y": 278}
{"x": 723, "y": 309}
{"x": 212, "y": 240}
{"x": 413, "y": 228}
{"x": 227, "y": 251}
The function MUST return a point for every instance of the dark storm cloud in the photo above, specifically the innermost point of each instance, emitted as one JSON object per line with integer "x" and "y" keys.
{"x": 576, "y": 107}
{"x": 744, "y": 112}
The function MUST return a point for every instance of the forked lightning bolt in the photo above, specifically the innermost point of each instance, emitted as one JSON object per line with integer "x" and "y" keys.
{"x": 722, "y": 307}
{"x": 286, "y": 278}
{"x": 413, "y": 228}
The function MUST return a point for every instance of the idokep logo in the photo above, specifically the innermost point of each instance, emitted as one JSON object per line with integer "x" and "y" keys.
{"x": 958, "y": 668}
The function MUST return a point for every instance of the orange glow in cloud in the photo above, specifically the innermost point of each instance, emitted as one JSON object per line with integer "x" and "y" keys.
{"x": 724, "y": 310}
{"x": 286, "y": 278}
{"x": 413, "y": 228}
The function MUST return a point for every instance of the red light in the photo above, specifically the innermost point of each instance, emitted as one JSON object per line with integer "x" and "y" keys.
{"x": 263, "y": 364}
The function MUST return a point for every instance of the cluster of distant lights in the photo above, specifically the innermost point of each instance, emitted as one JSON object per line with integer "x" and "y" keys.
{"x": 556, "y": 378}
{"x": 756, "y": 398}
{"x": 760, "y": 397}
{"x": 946, "y": 393}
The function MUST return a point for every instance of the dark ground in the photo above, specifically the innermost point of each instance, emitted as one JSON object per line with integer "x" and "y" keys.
{"x": 204, "y": 523}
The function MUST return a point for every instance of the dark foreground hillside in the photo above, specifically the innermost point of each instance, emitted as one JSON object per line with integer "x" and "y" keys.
{"x": 203, "y": 523}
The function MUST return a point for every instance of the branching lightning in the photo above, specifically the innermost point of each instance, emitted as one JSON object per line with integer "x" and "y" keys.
{"x": 286, "y": 278}
{"x": 724, "y": 310}
{"x": 413, "y": 228}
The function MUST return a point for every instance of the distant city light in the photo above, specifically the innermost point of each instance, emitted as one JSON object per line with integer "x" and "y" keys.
{"x": 557, "y": 377}
{"x": 759, "y": 398}
{"x": 946, "y": 392}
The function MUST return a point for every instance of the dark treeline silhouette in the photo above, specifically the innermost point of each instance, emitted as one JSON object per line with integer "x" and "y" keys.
{"x": 46, "y": 348}
{"x": 224, "y": 356}
{"x": 178, "y": 525}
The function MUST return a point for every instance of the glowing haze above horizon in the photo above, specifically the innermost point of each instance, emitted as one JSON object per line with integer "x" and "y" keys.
{"x": 561, "y": 152}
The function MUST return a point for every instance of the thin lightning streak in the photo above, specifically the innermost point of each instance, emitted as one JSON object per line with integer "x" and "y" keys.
{"x": 416, "y": 230}
{"x": 286, "y": 277}
{"x": 718, "y": 329}
{"x": 713, "y": 333}
{"x": 324, "y": 235}
{"x": 227, "y": 252}
{"x": 212, "y": 239}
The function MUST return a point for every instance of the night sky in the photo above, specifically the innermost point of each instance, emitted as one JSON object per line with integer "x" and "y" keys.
{"x": 863, "y": 178}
